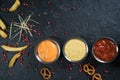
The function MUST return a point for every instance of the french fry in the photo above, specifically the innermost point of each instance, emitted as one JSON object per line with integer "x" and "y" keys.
{"x": 13, "y": 49}
{"x": 3, "y": 34}
{"x": 13, "y": 59}
{"x": 15, "y": 6}
{"x": 2, "y": 25}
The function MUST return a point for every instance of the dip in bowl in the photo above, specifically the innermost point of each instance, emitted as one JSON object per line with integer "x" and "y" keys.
{"x": 47, "y": 51}
{"x": 75, "y": 50}
{"x": 105, "y": 50}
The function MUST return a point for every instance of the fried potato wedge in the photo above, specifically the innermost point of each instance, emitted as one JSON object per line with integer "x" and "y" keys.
{"x": 15, "y": 6}
{"x": 13, "y": 59}
{"x": 2, "y": 25}
{"x": 13, "y": 49}
{"x": 3, "y": 34}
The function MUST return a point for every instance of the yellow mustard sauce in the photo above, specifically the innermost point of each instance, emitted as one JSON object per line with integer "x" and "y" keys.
{"x": 75, "y": 49}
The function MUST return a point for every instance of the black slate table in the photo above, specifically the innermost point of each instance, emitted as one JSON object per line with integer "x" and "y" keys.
{"x": 63, "y": 19}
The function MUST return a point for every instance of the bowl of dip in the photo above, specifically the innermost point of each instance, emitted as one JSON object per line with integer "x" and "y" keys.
{"x": 75, "y": 50}
{"x": 47, "y": 51}
{"x": 105, "y": 50}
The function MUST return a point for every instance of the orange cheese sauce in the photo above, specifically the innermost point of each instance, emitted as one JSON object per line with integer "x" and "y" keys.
{"x": 47, "y": 51}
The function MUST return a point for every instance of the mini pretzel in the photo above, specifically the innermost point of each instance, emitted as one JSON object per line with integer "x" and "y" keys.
{"x": 89, "y": 69}
{"x": 97, "y": 76}
{"x": 45, "y": 72}
{"x": 85, "y": 67}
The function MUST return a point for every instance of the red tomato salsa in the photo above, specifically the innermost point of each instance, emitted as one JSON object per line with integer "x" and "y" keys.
{"x": 105, "y": 49}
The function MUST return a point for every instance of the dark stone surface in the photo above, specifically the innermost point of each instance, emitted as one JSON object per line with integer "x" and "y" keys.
{"x": 88, "y": 19}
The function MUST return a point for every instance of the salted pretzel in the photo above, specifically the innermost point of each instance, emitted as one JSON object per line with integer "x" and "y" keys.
{"x": 46, "y": 73}
{"x": 96, "y": 76}
{"x": 89, "y": 69}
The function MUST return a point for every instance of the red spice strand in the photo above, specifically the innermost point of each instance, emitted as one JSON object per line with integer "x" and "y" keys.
{"x": 39, "y": 33}
{"x": 80, "y": 65}
{"x": 52, "y": 72}
{"x": 4, "y": 9}
{"x": 21, "y": 59}
{"x": 61, "y": 61}
{"x": 15, "y": 45}
{"x": 35, "y": 30}
{"x": 6, "y": 43}
{"x": 4, "y": 57}
{"x": 49, "y": 22}
{"x": 3, "y": 43}
{"x": 22, "y": 35}
{"x": 106, "y": 71}
{"x": 23, "y": 52}
{"x": 73, "y": 8}
{"x": 25, "y": 4}
{"x": 29, "y": 44}
{"x": 73, "y": 64}
{"x": 80, "y": 69}
{"x": 58, "y": 14}
{"x": 55, "y": 35}
{"x": 30, "y": 26}
{"x": 25, "y": 39}
{"x": 48, "y": 2}
{"x": 69, "y": 66}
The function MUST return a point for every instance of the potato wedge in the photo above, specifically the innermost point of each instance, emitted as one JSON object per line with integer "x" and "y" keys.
{"x": 3, "y": 34}
{"x": 13, "y": 59}
{"x": 2, "y": 25}
{"x": 13, "y": 49}
{"x": 15, "y": 6}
